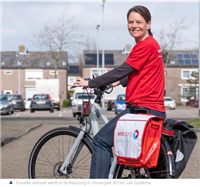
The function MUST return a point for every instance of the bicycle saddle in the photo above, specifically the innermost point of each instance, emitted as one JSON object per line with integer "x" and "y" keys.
{"x": 138, "y": 109}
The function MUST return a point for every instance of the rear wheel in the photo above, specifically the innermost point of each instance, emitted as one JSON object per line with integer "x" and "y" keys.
{"x": 51, "y": 150}
{"x": 161, "y": 171}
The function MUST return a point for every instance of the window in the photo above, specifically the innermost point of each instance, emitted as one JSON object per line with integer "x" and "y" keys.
{"x": 94, "y": 70}
{"x": 53, "y": 72}
{"x": 91, "y": 59}
{"x": 4, "y": 97}
{"x": 84, "y": 96}
{"x": 7, "y": 72}
{"x": 187, "y": 92}
{"x": 121, "y": 98}
{"x": 16, "y": 97}
{"x": 186, "y": 73}
{"x": 32, "y": 75}
{"x": 71, "y": 80}
{"x": 41, "y": 97}
{"x": 7, "y": 91}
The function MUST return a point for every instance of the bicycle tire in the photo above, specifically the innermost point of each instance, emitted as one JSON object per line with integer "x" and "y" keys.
{"x": 50, "y": 151}
{"x": 161, "y": 171}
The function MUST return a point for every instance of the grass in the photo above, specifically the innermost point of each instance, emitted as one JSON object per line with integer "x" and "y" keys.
{"x": 194, "y": 122}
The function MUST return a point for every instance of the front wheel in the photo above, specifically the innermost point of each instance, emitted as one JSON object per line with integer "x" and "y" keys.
{"x": 51, "y": 150}
{"x": 161, "y": 171}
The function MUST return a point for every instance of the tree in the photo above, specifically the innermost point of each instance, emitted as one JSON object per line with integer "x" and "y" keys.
{"x": 170, "y": 37}
{"x": 192, "y": 90}
{"x": 62, "y": 39}
{"x": 59, "y": 37}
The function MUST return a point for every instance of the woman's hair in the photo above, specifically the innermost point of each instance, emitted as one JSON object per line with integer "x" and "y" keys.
{"x": 144, "y": 12}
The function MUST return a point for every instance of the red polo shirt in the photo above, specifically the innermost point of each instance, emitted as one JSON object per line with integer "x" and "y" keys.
{"x": 146, "y": 85}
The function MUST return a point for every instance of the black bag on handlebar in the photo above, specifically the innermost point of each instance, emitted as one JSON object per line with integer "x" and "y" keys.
{"x": 182, "y": 143}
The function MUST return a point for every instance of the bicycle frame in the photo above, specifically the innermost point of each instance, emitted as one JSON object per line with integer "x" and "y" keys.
{"x": 93, "y": 124}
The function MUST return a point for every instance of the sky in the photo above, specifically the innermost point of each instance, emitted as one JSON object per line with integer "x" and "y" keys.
{"x": 20, "y": 20}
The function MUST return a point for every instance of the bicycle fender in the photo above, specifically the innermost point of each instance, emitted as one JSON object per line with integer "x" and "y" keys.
{"x": 170, "y": 156}
{"x": 78, "y": 130}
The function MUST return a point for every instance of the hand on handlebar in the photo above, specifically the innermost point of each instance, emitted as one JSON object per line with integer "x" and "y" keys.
{"x": 116, "y": 84}
{"x": 81, "y": 83}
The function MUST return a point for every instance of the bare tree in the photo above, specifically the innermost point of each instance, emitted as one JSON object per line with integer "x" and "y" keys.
{"x": 170, "y": 37}
{"x": 59, "y": 37}
{"x": 90, "y": 43}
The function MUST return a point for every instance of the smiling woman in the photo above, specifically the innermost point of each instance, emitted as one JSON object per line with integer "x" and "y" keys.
{"x": 139, "y": 24}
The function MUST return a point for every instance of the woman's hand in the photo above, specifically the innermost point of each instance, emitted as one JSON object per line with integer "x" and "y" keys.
{"x": 116, "y": 84}
{"x": 81, "y": 83}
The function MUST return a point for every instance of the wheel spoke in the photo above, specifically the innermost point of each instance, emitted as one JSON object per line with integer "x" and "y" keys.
{"x": 52, "y": 149}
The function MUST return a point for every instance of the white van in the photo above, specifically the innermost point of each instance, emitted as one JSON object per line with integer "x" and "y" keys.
{"x": 78, "y": 98}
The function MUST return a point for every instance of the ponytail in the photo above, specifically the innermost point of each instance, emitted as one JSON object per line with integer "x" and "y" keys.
{"x": 150, "y": 33}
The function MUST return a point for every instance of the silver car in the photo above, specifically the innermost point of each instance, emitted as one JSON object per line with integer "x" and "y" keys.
{"x": 6, "y": 105}
{"x": 27, "y": 103}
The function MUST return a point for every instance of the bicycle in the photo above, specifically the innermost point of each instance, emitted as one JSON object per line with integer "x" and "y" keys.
{"x": 66, "y": 152}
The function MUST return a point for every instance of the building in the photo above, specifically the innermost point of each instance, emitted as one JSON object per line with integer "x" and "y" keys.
{"x": 179, "y": 69}
{"x": 19, "y": 70}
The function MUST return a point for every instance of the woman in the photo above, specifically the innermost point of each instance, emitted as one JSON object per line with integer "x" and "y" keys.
{"x": 143, "y": 75}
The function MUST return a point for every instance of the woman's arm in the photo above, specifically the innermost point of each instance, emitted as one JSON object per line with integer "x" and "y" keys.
{"x": 118, "y": 73}
{"x": 112, "y": 76}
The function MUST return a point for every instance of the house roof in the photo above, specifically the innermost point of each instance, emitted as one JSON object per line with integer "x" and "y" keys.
{"x": 74, "y": 70}
{"x": 36, "y": 60}
{"x": 115, "y": 58}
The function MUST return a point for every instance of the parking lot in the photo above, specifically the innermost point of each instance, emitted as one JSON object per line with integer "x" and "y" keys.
{"x": 179, "y": 113}
{"x": 16, "y": 154}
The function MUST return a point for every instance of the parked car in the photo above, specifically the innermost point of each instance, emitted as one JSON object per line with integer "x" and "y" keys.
{"x": 196, "y": 104}
{"x": 56, "y": 101}
{"x": 6, "y": 105}
{"x": 41, "y": 102}
{"x": 27, "y": 103}
{"x": 77, "y": 101}
{"x": 120, "y": 103}
{"x": 110, "y": 104}
{"x": 18, "y": 101}
{"x": 169, "y": 103}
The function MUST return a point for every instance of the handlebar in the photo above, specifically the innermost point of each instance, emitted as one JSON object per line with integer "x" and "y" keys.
{"x": 106, "y": 89}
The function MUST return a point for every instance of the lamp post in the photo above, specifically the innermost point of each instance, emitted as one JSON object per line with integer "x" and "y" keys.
{"x": 19, "y": 64}
{"x": 97, "y": 27}
{"x": 199, "y": 61}
{"x": 103, "y": 56}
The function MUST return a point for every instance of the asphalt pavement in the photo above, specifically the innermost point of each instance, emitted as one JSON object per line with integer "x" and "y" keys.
{"x": 25, "y": 131}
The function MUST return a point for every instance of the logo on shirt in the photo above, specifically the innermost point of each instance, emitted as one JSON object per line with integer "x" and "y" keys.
{"x": 159, "y": 53}
{"x": 136, "y": 134}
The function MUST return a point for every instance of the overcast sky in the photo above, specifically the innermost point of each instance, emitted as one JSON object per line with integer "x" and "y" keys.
{"x": 21, "y": 20}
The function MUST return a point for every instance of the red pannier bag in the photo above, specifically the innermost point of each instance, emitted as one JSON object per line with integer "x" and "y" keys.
{"x": 137, "y": 139}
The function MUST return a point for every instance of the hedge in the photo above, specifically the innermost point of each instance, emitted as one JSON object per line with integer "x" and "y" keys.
{"x": 66, "y": 103}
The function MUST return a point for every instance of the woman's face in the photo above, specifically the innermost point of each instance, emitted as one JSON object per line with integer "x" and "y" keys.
{"x": 138, "y": 27}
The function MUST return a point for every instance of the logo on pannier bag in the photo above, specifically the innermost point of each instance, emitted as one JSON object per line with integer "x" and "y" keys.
{"x": 136, "y": 134}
